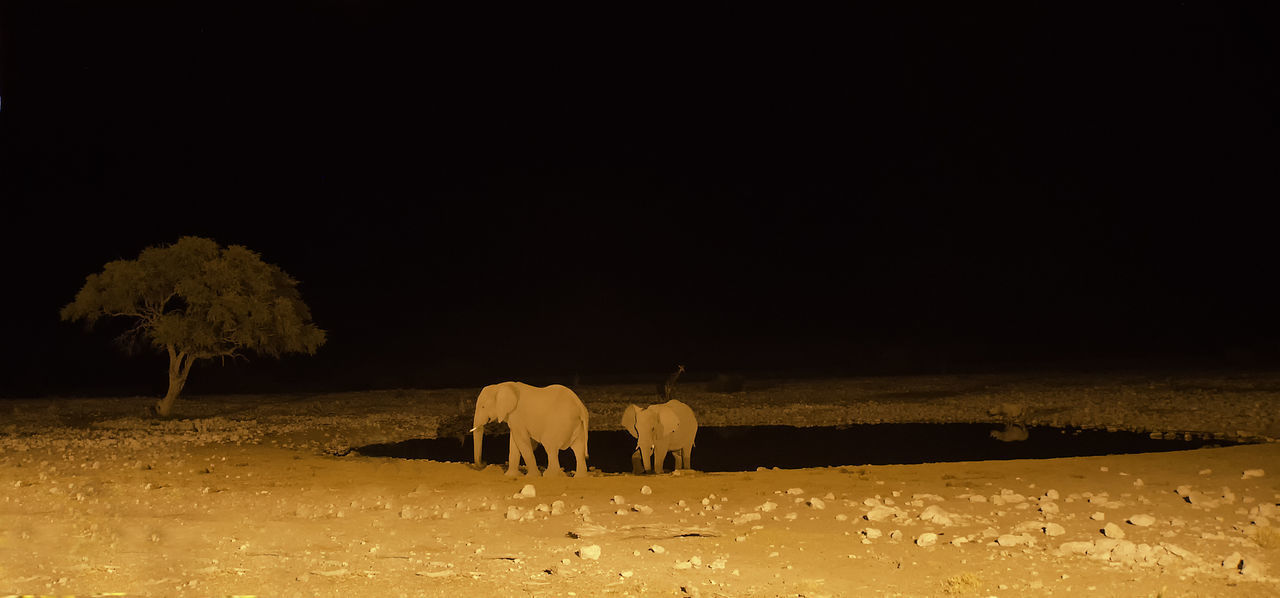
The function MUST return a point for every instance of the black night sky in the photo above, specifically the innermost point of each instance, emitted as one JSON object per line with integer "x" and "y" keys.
{"x": 529, "y": 193}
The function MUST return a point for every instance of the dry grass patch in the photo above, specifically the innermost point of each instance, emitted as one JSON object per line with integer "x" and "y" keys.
{"x": 965, "y": 583}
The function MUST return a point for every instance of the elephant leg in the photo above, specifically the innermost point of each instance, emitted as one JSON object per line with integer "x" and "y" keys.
{"x": 513, "y": 457}
{"x": 678, "y": 457}
{"x": 580, "y": 454}
{"x": 659, "y": 459}
{"x": 553, "y": 461}
{"x": 526, "y": 450}
{"x": 687, "y": 452}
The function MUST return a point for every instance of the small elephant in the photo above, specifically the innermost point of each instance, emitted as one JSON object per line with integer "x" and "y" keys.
{"x": 552, "y": 416}
{"x": 669, "y": 426}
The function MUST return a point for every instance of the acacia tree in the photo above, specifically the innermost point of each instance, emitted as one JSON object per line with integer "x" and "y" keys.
{"x": 197, "y": 300}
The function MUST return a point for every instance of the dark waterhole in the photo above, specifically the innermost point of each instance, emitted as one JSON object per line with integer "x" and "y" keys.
{"x": 745, "y": 448}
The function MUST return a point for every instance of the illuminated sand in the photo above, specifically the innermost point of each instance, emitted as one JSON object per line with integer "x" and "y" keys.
{"x": 247, "y": 497}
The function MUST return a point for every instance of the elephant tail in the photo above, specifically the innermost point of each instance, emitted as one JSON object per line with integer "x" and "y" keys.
{"x": 585, "y": 416}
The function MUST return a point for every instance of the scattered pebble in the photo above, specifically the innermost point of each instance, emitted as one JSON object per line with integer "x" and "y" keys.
{"x": 1252, "y": 473}
{"x": 1112, "y": 530}
{"x": 528, "y": 491}
{"x": 591, "y": 552}
{"x": 927, "y": 539}
{"x": 646, "y": 490}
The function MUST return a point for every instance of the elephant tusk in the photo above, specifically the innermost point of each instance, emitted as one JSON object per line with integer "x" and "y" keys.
{"x": 473, "y": 429}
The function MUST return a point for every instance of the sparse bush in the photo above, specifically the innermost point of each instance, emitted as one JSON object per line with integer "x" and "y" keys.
{"x": 965, "y": 583}
{"x": 726, "y": 383}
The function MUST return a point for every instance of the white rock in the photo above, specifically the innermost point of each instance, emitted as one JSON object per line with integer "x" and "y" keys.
{"x": 1124, "y": 552}
{"x": 768, "y": 506}
{"x": 1206, "y": 471}
{"x": 927, "y": 539}
{"x": 842, "y": 517}
{"x": 1142, "y": 520}
{"x": 895, "y": 534}
{"x": 1112, "y": 530}
{"x": 935, "y": 514}
{"x": 1051, "y": 494}
{"x": 618, "y": 500}
{"x": 1075, "y": 547}
{"x": 1053, "y": 529}
{"x": 1049, "y": 508}
{"x": 683, "y": 565}
{"x": 1252, "y": 473}
{"x": 977, "y": 498}
{"x": 1011, "y": 497}
{"x": 872, "y": 533}
{"x": 528, "y": 491}
{"x": 795, "y": 491}
{"x": 657, "y": 549}
{"x": 1013, "y": 540}
{"x": 817, "y": 503}
{"x": 557, "y": 507}
{"x": 646, "y": 490}
{"x": 1098, "y": 516}
{"x": 1103, "y": 547}
{"x": 746, "y": 518}
{"x": 513, "y": 513}
{"x": 591, "y": 552}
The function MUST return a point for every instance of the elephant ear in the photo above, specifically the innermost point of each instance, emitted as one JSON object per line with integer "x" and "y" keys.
{"x": 629, "y": 419}
{"x": 668, "y": 419}
{"x": 506, "y": 403}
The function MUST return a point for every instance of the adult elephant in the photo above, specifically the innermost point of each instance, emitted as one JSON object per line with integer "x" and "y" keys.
{"x": 669, "y": 426}
{"x": 552, "y": 416}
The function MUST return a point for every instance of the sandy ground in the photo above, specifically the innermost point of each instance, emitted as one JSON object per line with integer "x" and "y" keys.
{"x": 246, "y": 495}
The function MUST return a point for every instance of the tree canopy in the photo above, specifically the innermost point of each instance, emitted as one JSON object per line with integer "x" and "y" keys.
{"x": 197, "y": 300}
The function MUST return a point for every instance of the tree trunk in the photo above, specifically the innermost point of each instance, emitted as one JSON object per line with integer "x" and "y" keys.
{"x": 179, "y": 368}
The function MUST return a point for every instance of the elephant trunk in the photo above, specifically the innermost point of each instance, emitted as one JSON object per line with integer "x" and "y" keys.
{"x": 646, "y": 454}
{"x": 478, "y": 437}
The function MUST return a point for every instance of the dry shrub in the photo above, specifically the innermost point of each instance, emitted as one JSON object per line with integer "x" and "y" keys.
{"x": 965, "y": 583}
